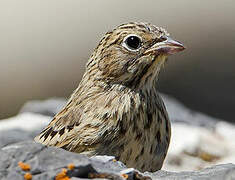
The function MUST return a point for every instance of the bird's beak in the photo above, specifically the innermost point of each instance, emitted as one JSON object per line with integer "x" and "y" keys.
{"x": 168, "y": 47}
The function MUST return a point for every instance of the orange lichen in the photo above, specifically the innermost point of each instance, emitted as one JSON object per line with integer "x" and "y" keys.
{"x": 102, "y": 175}
{"x": 24, "y": 166}
{"x": 28, "y": 176}
{"x": 91, "y": 175}
{"x": 207, "y": 157}
{"x": 71, "y": 166}
{"x": 125, "y": 176}
{"x": 98, "y": 175}
{"x": 62, "y": 175}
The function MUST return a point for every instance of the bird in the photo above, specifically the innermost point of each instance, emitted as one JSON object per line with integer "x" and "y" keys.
{"x": 116, "y": 109}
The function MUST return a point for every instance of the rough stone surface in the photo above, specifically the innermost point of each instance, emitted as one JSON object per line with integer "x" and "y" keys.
{"x": 218, "y": 172}
{"x": 25, "y": 121}
{"x": 198, "y": 142}
{"x": 47, "y": 162}
{"x": 13, "y": 136}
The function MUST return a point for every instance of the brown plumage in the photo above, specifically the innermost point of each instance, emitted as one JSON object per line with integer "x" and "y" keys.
{"x": 116, "y": 109}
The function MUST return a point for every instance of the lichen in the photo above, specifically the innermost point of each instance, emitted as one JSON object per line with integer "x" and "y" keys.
{"x": 71, "y": 166}
{"x": 24, "y": 166}
{"x": 28, "y": 176}
{"x": 62, "y": 175}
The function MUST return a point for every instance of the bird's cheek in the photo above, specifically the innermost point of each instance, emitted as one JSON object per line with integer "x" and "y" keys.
{"x": 132, "y": 68}
{"x": 138, "y": 65}
{"x": 147, "y": 60}
{"x": 111, "y": 68}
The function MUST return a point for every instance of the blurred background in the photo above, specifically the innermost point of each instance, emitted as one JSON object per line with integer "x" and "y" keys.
{"x": 44, "y": 46}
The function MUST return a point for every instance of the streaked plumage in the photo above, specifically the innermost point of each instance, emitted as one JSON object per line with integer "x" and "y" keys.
{"x": 116, "y": 109}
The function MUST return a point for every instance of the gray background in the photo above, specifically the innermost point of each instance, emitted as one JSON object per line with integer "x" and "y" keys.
{"x": 44, "y": 46}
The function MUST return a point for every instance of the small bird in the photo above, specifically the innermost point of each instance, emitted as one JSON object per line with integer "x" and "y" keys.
{"x": 116, "y": 109}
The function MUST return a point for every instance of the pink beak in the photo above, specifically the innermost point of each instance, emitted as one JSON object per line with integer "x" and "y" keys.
{"x": 168, "y": 46}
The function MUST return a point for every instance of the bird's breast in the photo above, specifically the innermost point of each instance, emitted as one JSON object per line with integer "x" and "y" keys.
{"x": 143, "y": 132}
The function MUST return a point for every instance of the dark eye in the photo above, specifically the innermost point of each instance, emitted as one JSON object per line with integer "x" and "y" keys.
{"x": 132, "y": 42}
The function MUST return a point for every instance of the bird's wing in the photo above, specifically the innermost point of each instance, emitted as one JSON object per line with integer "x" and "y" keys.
{"x": 67, "y": 130}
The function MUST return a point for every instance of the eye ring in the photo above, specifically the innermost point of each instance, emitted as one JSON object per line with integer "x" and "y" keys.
{"x": 132, "y": 42}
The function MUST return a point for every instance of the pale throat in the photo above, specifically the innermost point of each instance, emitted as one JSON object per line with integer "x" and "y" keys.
{"x": 149, "y": 80}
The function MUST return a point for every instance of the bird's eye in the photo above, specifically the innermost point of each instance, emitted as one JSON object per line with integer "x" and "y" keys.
{"x": 132, "y": 42}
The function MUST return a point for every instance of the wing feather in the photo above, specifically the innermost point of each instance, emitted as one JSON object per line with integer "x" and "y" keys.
{"x": 73, "y": 130}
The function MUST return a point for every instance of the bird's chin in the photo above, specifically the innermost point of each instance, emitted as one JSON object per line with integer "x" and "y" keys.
{"x": 159, "y": 59}
{"x": 153, "y": 70}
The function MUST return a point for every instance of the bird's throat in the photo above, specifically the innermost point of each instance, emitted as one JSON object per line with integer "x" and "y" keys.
{"x": 150, "y": 76}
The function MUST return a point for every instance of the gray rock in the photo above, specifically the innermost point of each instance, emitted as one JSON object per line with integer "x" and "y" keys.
{"x": 180, "y": 113}
{"x": 47, "y": 107}
{"x": 218, "y": 172}
{"x": 47, "y": 162}
{"x": 13, "y": 136}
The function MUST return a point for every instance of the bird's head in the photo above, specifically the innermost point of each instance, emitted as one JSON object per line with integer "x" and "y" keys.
{"x": 132, "y": 54}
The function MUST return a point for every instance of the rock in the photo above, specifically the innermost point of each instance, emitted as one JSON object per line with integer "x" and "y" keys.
{"x": 49, "y": 162}
{"x": 219, "y": 172}
{"x": 25, "y": 121}
{"x": 47, "y": 107}
{"x": 12, "y": 136}
{"x": 178, "y": 113}
{"x": 198, "y": 141}
{"x": 22, "y": 127}
{"x": 194, "y": 147}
